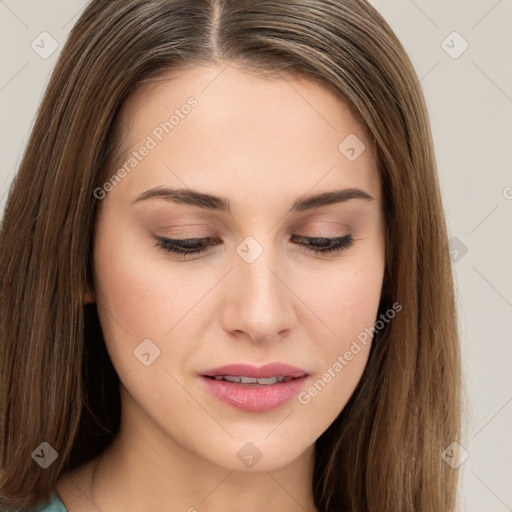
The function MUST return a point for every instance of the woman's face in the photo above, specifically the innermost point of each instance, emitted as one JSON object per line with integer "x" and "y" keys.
{"x": 258, "y": 293}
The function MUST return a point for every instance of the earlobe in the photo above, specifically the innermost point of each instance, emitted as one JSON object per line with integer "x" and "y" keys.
{"x": 88, "y": 299}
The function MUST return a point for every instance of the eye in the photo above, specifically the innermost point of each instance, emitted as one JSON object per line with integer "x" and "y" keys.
{"x": 200, "y": 245}
{"x": 326, "y": 245}
{"x": 186, "y": 246}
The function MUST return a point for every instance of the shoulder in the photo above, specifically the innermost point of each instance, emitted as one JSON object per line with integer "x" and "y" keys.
{"x": 73, "y": 487}
{"x": 53, "y": 504}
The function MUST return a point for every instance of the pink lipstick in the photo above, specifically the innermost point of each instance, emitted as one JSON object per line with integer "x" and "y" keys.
{"x": 254, "y": 388}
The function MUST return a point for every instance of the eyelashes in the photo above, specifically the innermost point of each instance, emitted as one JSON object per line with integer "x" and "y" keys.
{"x": 318, "y": 245}
{"x": 187, "y": 246}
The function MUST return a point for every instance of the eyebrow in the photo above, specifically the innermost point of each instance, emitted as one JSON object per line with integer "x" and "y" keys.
{"x": 210, "y": 202}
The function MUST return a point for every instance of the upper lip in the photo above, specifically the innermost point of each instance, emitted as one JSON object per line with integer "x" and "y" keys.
{"x": 258, "y": 372}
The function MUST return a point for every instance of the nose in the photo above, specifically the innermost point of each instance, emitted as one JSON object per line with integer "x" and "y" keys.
{"x": 258, "y": 302}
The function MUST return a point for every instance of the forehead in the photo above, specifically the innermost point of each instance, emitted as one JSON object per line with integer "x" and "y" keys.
{"x": 238, "y": 93}
{"x": 245, "y": 129}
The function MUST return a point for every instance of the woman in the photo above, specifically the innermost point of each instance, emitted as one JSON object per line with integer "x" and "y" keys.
{"x": 224, "y": 272}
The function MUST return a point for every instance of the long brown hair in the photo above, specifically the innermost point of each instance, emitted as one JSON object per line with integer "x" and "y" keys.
{"x": 383, "y": 452}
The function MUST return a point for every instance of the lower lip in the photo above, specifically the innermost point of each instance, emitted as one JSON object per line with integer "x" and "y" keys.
{"x": 254, "y": 397}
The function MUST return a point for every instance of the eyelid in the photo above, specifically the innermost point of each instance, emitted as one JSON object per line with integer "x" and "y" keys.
{"x": 200, "y": 246}
{"x": 185, "y": 231}
{"x": 322, "y": 228}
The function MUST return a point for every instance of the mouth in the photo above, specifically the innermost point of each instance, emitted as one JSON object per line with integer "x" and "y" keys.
{"x": 265, "y": 381}
{"x": 252, "y": 388}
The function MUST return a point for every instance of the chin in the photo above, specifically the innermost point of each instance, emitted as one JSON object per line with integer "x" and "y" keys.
{"x": 257, "y": 456}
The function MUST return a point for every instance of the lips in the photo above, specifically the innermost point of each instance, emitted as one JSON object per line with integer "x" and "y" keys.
{"x": 256, "y": 372}
{"x": 254, "y": 388}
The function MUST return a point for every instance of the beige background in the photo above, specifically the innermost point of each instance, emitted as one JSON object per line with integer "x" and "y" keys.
{"x": 470, "y": 102}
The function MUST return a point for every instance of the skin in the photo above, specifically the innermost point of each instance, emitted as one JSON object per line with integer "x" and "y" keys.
{"x": 261, "y": 143}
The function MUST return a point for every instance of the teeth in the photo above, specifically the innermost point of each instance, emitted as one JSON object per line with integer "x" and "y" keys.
{"x": 268, "y": 380}
{"x": 251, "y": 380}
{"x": 230, "y": 378}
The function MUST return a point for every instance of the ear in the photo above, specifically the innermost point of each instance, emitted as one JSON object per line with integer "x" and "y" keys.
{"x": 88, "y": 299}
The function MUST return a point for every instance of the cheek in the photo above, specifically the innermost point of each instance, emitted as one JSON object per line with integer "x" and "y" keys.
{"x": 137, "y": 285}
{"x": 347, "y": 302}
{"x": 346, "y": 297}
{"x": 139, "y": 298}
